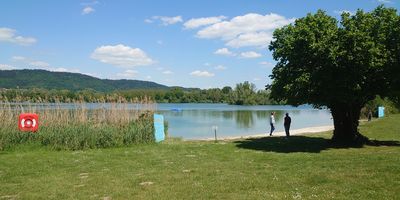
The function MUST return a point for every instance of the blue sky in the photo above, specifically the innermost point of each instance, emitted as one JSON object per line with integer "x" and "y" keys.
{"x": 203, "y": 44}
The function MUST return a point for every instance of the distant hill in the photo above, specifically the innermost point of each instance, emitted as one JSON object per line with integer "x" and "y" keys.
{"x": 70, "y": 81}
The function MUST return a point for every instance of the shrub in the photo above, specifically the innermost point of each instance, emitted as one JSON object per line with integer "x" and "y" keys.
{"x": 390, "y": 107}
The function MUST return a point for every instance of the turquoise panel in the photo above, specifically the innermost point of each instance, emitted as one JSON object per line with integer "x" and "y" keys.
{"x": 159, "y": 127}
{"x": 381, "y": 111}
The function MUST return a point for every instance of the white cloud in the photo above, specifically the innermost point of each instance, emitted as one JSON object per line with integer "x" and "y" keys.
{"x": 260, "y": 39}
{"x": 89, "y": 3}
{"x": 25, "y": 41}
{"x": 224, "y": 52}
{"x": 384, "y": 1}
{"x": 31, "y": 62}
{"x": 251, "y": 29}
{"x": 6, "y": 67}
{"x": 198, "y": 22}
{"x": 250, "y": 54}
{"x": 148, "y": 77}
{"x": 39, "y": 64}
{"x": 202, "y": 73}
{"x": 149, "y": 21}
{"x": 167, "y": 72}
{"x": 121, "y": 55}
{"x": 220, "y": 67}
{"x": 62, "y": 69}
{"x": 128, "y": 74}
{"x": 165, "y": 20}
{"x": 256, "y": 79}
{"x": 43, "y": 65}
{"x": 266, "y": 64}
{"x": 339, "y": 12}
{"x": 18, "y": 58}
{"x": 207, "y": 64}
{"x": 171, "y": 20}
{"x": 87, "y": 10}
{"x": 9, "y": 35}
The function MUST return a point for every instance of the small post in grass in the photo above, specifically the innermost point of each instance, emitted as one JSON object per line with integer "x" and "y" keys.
{"x": 215, "y": 128}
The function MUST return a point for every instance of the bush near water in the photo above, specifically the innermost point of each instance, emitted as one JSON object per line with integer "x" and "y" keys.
{"x": 80, "y": 128}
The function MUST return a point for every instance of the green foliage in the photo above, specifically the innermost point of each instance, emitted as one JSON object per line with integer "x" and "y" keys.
{"x": 339, "y": 65}
{"x": 174, "y": 95}
{"x": 390, "y": 107}
{"x": 226, "y": 90}
{"x": 324, "y": 64}
{"x": 244, "y": 94}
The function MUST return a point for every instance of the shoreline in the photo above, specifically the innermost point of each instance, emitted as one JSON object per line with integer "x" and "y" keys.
{"x": 300, "y": 131}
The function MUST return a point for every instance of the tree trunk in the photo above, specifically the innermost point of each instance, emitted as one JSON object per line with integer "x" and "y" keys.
{"x": 345, "y": 120}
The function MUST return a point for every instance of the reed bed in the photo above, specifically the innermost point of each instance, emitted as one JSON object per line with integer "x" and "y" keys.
{"x": 75, "y": 126}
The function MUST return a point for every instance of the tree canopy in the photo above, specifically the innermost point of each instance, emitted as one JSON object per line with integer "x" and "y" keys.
{"x": 339, "y": 64}
{"x": 244, "y": 94}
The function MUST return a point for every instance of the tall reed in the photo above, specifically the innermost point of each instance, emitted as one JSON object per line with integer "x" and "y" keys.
{"x": 79, "y": 127}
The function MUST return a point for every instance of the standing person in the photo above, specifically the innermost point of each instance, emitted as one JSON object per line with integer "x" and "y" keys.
{"x": 287, "y": 121}
{"x": 272, "y": 123}
{"x": 369, "y": 116}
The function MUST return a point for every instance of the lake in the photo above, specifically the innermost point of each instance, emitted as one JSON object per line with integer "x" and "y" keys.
{"x": 195, "y": 121}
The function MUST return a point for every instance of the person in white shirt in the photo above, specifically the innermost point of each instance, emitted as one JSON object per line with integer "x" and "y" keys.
{"x": 272, "y": 123}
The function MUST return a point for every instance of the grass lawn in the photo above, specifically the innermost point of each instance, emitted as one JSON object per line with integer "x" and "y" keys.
{"x": 303, "y": 167}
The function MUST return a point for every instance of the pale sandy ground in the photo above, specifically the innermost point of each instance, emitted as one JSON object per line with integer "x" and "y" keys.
{"x": 301, "y": 131}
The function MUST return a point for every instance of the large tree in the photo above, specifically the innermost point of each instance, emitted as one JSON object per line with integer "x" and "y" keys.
{"x": 340, "y": 65}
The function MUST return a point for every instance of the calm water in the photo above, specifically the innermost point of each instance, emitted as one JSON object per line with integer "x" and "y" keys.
{"x": 195, "y": 121}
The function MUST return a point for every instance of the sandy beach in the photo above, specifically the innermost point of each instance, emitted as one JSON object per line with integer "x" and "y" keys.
{"x": 301, "y": 131}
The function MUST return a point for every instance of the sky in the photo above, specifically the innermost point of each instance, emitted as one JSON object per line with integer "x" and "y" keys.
{"x": 203, "y": 44}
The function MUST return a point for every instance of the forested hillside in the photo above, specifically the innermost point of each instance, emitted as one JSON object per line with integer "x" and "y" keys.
{"x": 26, "y": 79}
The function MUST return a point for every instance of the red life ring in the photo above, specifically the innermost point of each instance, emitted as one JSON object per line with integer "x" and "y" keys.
{"x": 28, "y": 122}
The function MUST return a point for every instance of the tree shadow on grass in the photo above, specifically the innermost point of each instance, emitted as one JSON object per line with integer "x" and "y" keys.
{"x": 301, "y": 144}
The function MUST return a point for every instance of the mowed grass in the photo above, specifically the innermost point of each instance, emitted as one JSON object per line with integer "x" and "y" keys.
{"x": 303, "y": 167}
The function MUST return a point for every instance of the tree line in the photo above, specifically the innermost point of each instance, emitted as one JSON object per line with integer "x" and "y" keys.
{"x": 242, "y": 94}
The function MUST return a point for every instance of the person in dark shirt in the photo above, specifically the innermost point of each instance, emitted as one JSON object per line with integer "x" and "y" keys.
{"x": 369, "y": 116}
{"x": 287, "y": 121}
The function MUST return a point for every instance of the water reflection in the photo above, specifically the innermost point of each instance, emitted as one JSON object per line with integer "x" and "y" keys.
{"x": 244, "y": 118}
{"x": 196, "y": 120}
{"x": 227, "y": 114}
{"x": 261, "y": 114}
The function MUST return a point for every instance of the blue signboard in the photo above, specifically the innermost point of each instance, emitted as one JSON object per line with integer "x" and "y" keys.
{"x": 381, "y": 111}
{"x": 159, "y": 127}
